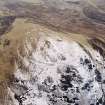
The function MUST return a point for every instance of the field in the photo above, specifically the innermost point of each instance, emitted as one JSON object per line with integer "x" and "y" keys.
{"x": 80, "y": 21}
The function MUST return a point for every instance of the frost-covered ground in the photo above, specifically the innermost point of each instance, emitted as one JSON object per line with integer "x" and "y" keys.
{"x": 58, "y": 72}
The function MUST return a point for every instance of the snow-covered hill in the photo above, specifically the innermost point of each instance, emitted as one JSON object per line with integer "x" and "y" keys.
{"x": 57, "y": 72}
{"x": 62, "y": 60}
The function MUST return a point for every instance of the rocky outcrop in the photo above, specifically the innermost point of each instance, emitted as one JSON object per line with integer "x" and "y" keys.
{"x": 5, "y": 23}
